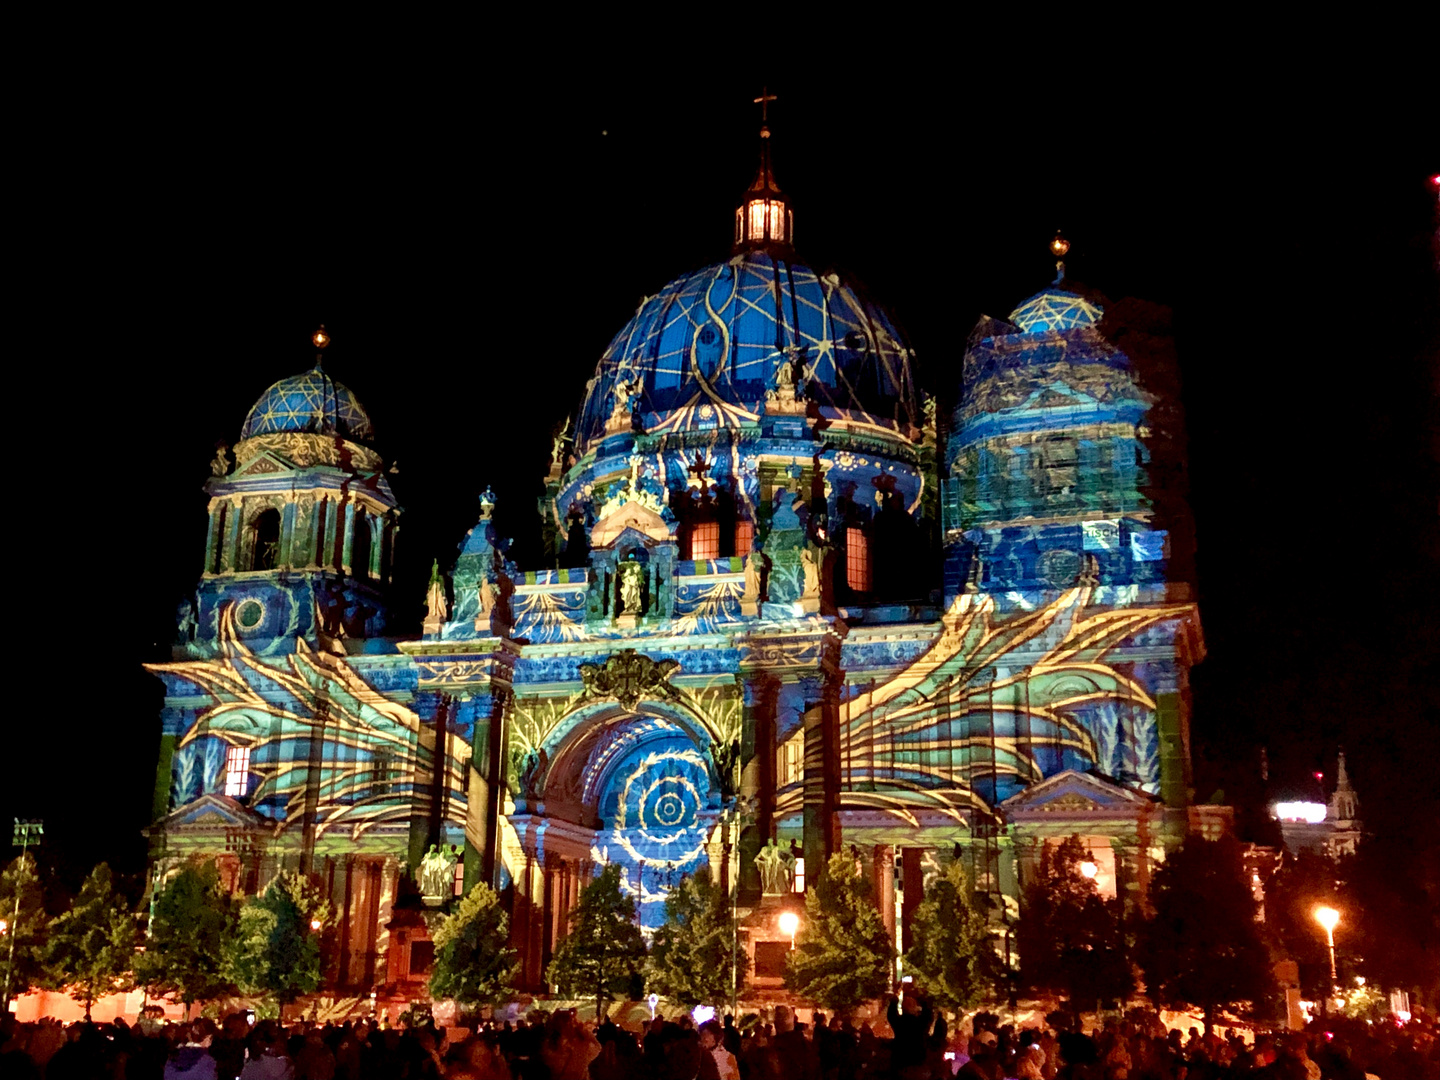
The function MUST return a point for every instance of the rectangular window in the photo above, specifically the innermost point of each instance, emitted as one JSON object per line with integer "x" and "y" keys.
{"x": 237, "y": 771}
{"x": 800, "y": 875}
{"x": 705, "y": 540}
{"x": 857, "y": 560}
{"x": 744, "y": 538}
{"x": 381, "y": 773}
{"x": 792, "y": 761}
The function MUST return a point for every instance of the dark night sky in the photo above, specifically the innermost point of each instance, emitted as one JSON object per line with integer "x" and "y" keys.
{"x": 473, "y": 247}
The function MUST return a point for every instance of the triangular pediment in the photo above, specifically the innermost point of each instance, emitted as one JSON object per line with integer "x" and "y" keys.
{"x": 1074, "y": 792}
{"x": 264, "y": 463}
{"x": 629, "y": 517}
{"x": 215, "y": 812}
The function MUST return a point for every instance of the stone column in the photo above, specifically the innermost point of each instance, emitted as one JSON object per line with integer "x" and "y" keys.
{"x": 213, "y": 538}
{"x": 230, "y": 555}
{"x": 883, "y": 869}
{"x": 349, "y": 541}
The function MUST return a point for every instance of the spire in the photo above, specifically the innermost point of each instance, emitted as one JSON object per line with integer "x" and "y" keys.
{"x": 763, "y": 218}
{"x": 320, "y": 339}
{"x": 1344, "y": 804}
{"x": 1059, "y": 247}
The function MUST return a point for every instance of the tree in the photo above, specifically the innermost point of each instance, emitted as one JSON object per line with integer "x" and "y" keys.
{"x": 694, "y": 951}
{"x": 92, "y": 946}
{"x": 843, "y": 955}
{"x": 472, "y": 963}
{"x": 22, "y": 944}
{"x": 1203, "y": 945}
{"x": 951, "y": 952}
{"x": 1069, "y": 938}
{"x": 192, "y": 920}
{"x": 604, "y": 951}
{"x": 276, "y": 948}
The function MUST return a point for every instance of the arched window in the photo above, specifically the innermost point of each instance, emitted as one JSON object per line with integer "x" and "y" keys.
{"x": 857, "y": 559}
{"x": 360, "y": 546}
{"x": 266, "y": 540}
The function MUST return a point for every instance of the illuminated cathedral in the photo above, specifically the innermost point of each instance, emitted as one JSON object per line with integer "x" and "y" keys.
{"x": 789, "y": 607}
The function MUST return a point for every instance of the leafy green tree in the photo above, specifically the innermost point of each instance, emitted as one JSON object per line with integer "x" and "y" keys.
{"x": 192, "y": 920}
{"x": 276, "y": 948}
{"x": 22, "y": 944}
{"x": 91, "y": 949}
{"x": 604, "y": 952}
{"x": 1069, "y": 937}
{"x": 951, "y": 954}
{"x": 1203, "y": 946}
{"x": 694, "y": 951}
{"x": 843, "y": 955}
{"x": 472, "y": 963}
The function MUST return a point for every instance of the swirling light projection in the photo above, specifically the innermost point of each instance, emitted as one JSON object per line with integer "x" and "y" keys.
{"x": 656, "y": 805}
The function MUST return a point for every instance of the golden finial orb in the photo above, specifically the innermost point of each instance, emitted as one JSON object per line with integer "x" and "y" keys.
{"x": 1059, "y": 246}
{"x": 320, "y": 337}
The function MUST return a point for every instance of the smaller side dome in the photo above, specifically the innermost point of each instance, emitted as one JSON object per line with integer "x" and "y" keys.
{"x": 309, "y": 402}
{"x": 1055, "y": 309}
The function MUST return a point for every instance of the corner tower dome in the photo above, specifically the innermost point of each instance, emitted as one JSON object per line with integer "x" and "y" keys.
{"x": 310, "y": 402}
{"x": 1061, "y": 305}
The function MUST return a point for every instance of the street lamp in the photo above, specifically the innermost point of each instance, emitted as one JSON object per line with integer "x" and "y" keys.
{"x": 1088, "y": 870}
{"x": 1329, "y": 918}
{"x": 789, "y": 923}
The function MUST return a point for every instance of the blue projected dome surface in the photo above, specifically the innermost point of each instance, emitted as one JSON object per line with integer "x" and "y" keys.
{"x": 311, "y": 402}
{"x": 1055, "y": 309}
{"x": 704, "y": 350}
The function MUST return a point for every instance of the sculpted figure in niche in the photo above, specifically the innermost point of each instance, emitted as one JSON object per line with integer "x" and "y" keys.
{"x": 774, "y": 864}
{"x": 437, "y": 873}
{"x": 632, "y": 583}
{"x": 811, "y": 565}
{"x": 221, "y": 465}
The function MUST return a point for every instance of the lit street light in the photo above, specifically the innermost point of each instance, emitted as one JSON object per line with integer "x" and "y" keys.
{"x": 1088, "y": 870}
{"x": 789, "y": 923}
{"x": 1329, "y": 918}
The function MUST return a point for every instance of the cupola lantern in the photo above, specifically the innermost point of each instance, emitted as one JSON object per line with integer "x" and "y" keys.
{"x": 764, "y": 218}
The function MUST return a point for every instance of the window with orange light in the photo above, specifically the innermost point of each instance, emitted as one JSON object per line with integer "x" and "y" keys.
{"x": 857, "y": 559}
{"x": 705, "y": 540}
{"x": 237, "y": 771}
{"x": 744, "y": 537}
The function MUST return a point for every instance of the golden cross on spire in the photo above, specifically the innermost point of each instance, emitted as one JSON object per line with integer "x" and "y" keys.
{"x": 764, "y": 102}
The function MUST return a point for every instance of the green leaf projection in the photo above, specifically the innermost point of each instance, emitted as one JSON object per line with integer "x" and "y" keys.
{"x": 305, "y": 716}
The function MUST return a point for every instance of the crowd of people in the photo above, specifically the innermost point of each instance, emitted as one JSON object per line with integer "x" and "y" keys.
{"x": 913, "y": 1043}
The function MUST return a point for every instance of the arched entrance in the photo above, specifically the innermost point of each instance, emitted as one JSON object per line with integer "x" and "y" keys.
{"x": 642, "y": 779}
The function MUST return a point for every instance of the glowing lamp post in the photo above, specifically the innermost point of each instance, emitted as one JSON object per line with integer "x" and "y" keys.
{"x": 315, "y": 925}
{"x": 1088, "y": 870}
{"x": 1329, "y": 918}
{"x": 789, "y": 923}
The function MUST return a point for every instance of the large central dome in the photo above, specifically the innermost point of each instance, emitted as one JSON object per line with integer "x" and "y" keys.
{"x": 703, "y": 352}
